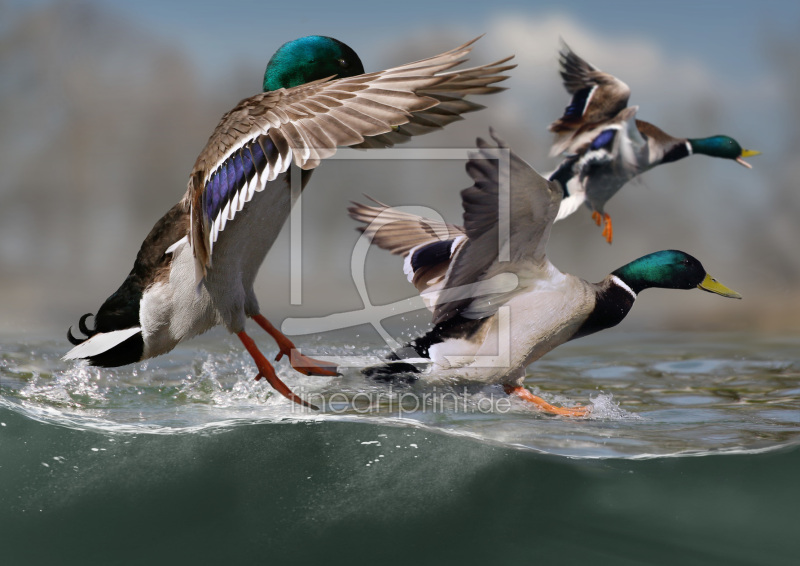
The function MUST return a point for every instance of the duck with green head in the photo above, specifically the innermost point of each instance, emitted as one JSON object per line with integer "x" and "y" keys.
{"x": 197, "y": 266}
{"x": 606, "y": 146}
{"x": 498, "y": 303}
{"x": 309, "y": 59}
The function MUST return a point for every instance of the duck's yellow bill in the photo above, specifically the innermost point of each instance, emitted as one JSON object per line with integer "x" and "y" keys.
{"x": 747, "y": 153}
{"x": 713, "y": 286}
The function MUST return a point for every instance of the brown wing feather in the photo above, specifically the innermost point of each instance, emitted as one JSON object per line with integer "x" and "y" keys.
{"x": 597, "y": 97}
{"x": 500, "y": 178}
{"x": 450, "y": 103}
{"x": 398, "y": 231}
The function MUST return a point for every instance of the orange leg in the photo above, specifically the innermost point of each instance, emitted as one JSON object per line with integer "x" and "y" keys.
{"x": 608, "y": 229}
{"x": 266, "y": 370}
{"x": 526, "y": 395}
{"x": 605, "y": 220}
{"x": 303, "y": 364}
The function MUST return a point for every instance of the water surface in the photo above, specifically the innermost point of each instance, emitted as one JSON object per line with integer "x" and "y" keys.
{"x": 652, "y": 394}
{"x": 690, "y": 455}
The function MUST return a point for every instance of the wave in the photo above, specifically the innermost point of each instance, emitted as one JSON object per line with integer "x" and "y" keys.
{"x": 647, "y": 402}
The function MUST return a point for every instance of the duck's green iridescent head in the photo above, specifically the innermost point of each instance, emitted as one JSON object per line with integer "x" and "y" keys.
{"x": 670, "y": 269}
{"x": 723, "y": 146}
{"x": 309, "y": 59}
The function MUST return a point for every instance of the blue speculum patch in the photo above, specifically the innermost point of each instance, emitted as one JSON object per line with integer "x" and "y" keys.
{"x": 259, "y": 158}
{"x": 604, "y": 139}
{"x": 237, "y": 164}
{"x": 233, "y": 174}
{"x": 211, "y": 197}
{"x": 230, "y": 169}
{"x": 247, "y": 163}
{"x": 578, "y": 104}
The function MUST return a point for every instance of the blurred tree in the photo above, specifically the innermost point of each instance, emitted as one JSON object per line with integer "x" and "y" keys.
{"x": 101, "y": 124}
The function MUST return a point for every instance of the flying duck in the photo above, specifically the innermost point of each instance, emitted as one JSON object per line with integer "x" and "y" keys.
{"x": 606, "y": 146}
{"x": 498, "y": 303}
{"x": 196, "y": 267}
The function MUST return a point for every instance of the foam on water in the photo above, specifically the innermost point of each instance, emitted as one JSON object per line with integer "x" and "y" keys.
{"x": 651, "y": 395}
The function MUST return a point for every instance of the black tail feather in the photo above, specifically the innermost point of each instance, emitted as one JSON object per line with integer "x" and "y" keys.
{"x": 128, "y": 352}
{"x": 74, "y": 341}
{"x": 85, "y": 329}
{"x": 89, "y": 332}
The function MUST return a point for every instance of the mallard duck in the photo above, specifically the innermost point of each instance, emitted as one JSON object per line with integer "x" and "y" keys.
{"x": 196, "y": 268}
{"x": 606, "y": 146}
{"x": 498, "y": 303}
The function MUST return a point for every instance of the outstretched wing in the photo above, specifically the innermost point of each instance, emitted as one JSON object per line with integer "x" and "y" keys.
{"x": 397, "y": 231}
{"x": 427, "y": 245}
{"x": 257, "y": 140}
{"x": 508, "y": 214}
{"x": 596, "y": 97}
{"x": 451, "y": 103}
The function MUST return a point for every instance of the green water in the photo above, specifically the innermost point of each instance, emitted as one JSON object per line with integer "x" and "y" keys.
{"x": 691, "y": 457}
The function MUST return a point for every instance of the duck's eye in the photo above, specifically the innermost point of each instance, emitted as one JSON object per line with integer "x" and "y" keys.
{"x": 343, "y": 63}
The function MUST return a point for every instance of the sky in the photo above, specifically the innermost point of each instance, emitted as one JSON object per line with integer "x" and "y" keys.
{"x": 725, "y": 34}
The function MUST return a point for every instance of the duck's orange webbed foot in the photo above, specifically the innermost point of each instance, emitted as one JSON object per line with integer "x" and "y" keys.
{"x": 526, "y": 395}
{"x": 266, "y": 371}
{"x": 605, "y": 220}
{"x": 307, "y": 365}
{"x": 301, "y": 363}
{"x": 608, "y": 229}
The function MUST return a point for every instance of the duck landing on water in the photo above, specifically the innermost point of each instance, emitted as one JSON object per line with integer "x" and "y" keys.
{"x": 493, "y": 318}
{"x": 196, "y": 268}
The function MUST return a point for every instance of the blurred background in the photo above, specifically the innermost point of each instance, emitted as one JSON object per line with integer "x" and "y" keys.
{"x": 104, "y": 107}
